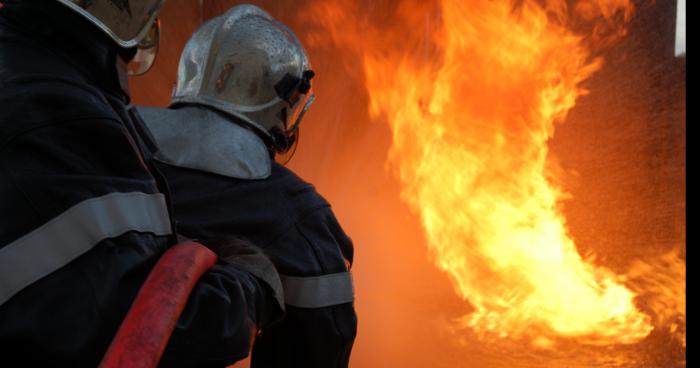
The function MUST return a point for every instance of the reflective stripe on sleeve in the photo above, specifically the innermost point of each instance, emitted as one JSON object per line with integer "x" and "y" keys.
{"x": 318, "y": 291}
{"x": 76, "y": 231}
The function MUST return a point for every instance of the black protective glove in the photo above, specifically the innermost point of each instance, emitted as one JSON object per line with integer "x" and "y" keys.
{"x": 232, "y": 301}
{"x": 245, "y": 256}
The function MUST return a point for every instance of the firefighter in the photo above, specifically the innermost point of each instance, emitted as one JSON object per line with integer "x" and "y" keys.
{"x": 85, "y": 215}
{"x": 244, "y": 83}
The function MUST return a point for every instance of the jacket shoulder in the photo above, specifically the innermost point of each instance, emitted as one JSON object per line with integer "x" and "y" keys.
{"x": 300, "y": 194}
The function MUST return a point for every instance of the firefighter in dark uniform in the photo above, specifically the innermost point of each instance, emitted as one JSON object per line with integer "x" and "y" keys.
{"x": 84, "y": 217}
{"x": 244, "y": 83}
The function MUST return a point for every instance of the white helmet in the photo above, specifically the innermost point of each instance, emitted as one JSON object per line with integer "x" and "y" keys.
{"x": 248, "y": 65}
{"x": 128, "y": 23}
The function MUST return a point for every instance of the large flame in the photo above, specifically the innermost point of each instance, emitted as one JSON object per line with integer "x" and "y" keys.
{"x": 472, "y": 103}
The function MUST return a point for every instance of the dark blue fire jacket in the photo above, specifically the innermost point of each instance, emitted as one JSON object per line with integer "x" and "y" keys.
{"x": 82, "y": 218}
{"x": 297, "y": 229}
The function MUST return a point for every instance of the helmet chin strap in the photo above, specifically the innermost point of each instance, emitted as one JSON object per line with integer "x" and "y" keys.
{"x": 122, "y": 75}
{"x": 284, "y": 140}
{"x": 284, "y": 158}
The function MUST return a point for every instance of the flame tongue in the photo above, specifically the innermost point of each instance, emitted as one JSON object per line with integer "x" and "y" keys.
{"x": 470, "y": 145}
{"x": 470, "y": 130}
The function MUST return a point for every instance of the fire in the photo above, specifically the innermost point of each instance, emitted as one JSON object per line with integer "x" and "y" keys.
{"x": 661, "y": 285}
{"x": 472, "y": 100}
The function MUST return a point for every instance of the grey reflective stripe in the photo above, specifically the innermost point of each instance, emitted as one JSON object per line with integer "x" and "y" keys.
{"x": 318, "y": 291}
{"x": 76, "y": 231}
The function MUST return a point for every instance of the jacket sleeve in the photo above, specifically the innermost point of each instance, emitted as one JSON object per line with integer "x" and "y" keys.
{"x": 231, "y": 302}
{"x": 313, "y": 257}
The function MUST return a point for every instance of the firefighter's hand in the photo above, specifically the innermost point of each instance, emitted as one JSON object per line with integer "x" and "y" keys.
{"x": 247, "y": 257}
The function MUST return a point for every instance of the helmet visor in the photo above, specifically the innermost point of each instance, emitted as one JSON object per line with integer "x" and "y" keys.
{"x": 292, "y": 134}
{"x": 146, "y": 51}
{"x": 302, "y": 104}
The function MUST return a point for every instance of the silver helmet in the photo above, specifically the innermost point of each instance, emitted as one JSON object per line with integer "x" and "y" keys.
{"x": 248, "y": 65}
{"x": 128, "y": 23}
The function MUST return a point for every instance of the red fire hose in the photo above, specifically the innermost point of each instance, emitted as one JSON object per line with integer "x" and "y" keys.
{"x": 143, "y": 335}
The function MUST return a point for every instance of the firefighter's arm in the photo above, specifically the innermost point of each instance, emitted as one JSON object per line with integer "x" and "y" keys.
{"x": 238, "y": 296}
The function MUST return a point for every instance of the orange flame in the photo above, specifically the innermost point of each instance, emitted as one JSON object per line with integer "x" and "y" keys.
{"x": 472, "y": 104}
{"x": 661, "y": 286}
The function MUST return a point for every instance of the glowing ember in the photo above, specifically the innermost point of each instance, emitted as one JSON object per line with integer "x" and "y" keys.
{"x": 472, "y": 105}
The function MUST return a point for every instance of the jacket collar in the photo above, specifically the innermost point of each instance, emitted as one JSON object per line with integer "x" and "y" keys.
{"x": 199, "y": 138}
